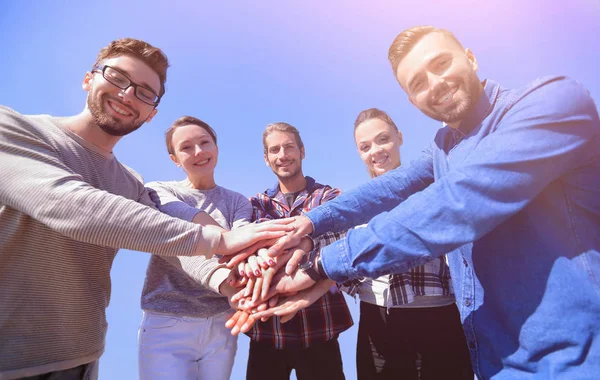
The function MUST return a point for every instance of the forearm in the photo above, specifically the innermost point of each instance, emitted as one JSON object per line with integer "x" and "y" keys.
{"x": 37, "y": 182}
{"x": 537, "y": 143}
{"x": 206, "y": 272}
{"x": 204, "y": 219}
{"x": 83, "y": 213}
{"x": 381, "y": 194}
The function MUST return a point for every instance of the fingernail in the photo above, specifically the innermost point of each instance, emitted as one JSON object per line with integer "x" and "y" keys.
{"x": 271, "y": 262}
{"x": 257, "y": 272}
{"x": 241, "y": 273}
{"x": 230, "y": 281}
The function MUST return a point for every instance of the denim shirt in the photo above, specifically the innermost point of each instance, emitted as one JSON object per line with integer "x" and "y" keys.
{"x": 513, "y": 197}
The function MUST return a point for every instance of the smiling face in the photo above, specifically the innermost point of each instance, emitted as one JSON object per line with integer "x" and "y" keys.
{"x": 195, "y": 151}
{"x": 119, "y": 112}
{"x": 440, "y": 78}
{"x": 378, "y": 144}
{"x": 283, "y": 155}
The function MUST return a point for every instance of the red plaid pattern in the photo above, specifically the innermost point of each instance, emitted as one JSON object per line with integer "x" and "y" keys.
{"x": 329, "y": 316}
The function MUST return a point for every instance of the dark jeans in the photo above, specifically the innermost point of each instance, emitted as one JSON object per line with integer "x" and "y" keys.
{"x": 319, "y": 361}
{"x": 388, "y": 344}
{"x": 83, "y": 372}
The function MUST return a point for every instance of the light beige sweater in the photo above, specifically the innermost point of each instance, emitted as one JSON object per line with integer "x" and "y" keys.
{"x": 66, "y": 207}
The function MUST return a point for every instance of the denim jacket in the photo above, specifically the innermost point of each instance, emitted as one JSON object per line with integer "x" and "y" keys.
{"x": 513, "y": 197}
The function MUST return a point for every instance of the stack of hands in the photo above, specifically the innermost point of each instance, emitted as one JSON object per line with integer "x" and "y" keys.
{"x": 266, "y": 278}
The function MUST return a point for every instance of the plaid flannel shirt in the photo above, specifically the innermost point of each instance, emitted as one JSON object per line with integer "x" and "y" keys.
{"x": 429, "y": 279}
{"x": 328, "y": 316}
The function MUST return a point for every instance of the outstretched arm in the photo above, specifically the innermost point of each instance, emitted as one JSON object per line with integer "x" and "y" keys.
{"x": 37, "y": 182}
{"x": 358, "y": 206}
{"x": 552, "y": 133}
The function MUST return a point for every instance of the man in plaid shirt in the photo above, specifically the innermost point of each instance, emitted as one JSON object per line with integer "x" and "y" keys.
{"x": 308, "y": 342}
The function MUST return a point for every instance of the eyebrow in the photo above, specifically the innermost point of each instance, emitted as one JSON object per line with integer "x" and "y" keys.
{"x": 429, "y": 61}
{"x": 284, "y": 145}
{"x": 374, "y": 138}
{"x": 203, "y": 136}
{"x": 143, "y": 84}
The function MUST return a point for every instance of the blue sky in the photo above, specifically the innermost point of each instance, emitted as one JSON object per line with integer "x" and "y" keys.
{"x": 241, "y": 65}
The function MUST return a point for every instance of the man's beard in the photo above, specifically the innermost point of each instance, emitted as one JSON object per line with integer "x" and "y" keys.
{"x": 291, "y": 174}
{"x": 108, "y": 124}
{"x": 458, "y": 112}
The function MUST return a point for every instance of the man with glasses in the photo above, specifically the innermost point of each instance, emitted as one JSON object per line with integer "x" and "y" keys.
{"x": 142, "y": 92}
{"x": 67, "y": 205}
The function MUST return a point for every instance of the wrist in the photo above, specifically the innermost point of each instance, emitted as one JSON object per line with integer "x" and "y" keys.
{"x": 227, "y": 290}
{"x": 303, "y": 225}
{"x": 217, "y": 278}
{"x": 319, "y": 265}
{"x": 311, "y": 266}
{"x": 210, "y": 241}
{"x": 311, "y": 244}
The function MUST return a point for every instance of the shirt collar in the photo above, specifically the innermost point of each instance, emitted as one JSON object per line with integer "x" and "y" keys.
{"x": 310, "y": 184}
{"x": 482, "y": 109}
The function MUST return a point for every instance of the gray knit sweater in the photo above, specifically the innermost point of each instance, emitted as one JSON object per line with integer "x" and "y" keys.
{"x": 65, "y": 208}
{"x": 189, "y": 286}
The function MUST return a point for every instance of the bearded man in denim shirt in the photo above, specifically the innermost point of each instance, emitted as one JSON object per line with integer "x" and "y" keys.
{"x": 509, "y": 189}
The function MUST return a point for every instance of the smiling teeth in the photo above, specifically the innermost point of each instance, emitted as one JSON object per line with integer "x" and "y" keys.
{"x": 446, "y": 98}
{"x": 202, "y": 162}
{"x": 119, "y": 110}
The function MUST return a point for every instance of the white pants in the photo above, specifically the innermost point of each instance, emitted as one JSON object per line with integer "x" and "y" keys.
{"x": 187, "y": 348}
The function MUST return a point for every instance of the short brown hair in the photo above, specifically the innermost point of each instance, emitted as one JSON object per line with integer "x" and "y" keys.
{"x": 183, "y": 121}
{"x": 405, "y": 41}
{"x": 281, "y": 127}
{"x": 150, "y": 55}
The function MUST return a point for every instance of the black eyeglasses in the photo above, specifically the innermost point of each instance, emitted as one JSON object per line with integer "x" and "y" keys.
{"x": 119, "y": 79}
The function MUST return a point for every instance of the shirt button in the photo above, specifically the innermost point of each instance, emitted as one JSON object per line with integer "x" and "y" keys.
{"x": 467, "y": 302}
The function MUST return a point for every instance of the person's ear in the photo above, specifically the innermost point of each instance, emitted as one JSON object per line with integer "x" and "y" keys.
{"x": 174, "y": 159}
{"x": 86, "y": 85}
{"x": 472, "y": 59}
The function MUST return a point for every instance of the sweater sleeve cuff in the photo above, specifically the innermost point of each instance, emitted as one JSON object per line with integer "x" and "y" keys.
{"x": 208, "y": 241}
{"x": 217, "y": 278}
